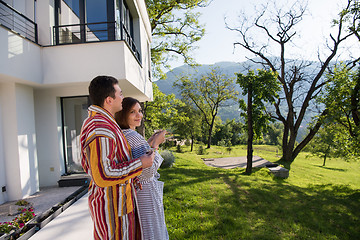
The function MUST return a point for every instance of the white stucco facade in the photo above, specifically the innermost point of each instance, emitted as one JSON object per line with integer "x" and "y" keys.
{"x": 36, "y": 76}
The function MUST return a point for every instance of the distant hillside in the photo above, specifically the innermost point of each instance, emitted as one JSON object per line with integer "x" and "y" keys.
{"x": 227, "y": 68}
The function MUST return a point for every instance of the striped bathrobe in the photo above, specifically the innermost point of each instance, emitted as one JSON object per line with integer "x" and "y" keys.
{"x": 107, "y": 159}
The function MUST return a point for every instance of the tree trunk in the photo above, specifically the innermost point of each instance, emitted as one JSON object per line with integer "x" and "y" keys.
{"x": 355, "y": 96}
{"x": 250, "y": 133}
{"x": 192, "y": 143}
{"x": 210, "y": 131}
{"x": 141, "y": 128}
{"x": 324, "y": 159}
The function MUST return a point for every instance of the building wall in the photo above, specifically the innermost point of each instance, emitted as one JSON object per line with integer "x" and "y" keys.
{"x": 18, "y": 156}
{"x": 48, "y": 137}
{"x": 48, "y": 130}
{"x": 10, "y": 140}
{"x": 19, "y": 58}
{"x": 3, "y": 195}
{"x": 26, "y": 140}
{"x": 34, "y": 77}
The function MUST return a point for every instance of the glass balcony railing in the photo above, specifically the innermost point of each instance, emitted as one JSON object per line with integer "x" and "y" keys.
{"x": 94, "y": 32}
{"x": 18, "y": 23}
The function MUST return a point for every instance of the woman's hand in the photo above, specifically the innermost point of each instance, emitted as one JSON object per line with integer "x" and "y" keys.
{"x": 157, "y": 138}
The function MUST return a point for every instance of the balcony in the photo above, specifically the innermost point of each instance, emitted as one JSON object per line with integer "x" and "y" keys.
{"x": 94, "y": 32}
{"x": 17, "y": 22}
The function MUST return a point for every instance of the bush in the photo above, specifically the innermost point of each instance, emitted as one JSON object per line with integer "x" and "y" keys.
{"x": 169, "y": 159}
{"x": 201, "y": 150}
{"x": 178, "y": 149}
{"x": 167, "y": 144}
{"x": 221, "y": 143}
{"x": 22, "y": 203}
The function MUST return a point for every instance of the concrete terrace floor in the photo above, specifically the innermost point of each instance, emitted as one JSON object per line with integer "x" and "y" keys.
{"x": 41, "y": 201}
{"x": 73, "y": 223}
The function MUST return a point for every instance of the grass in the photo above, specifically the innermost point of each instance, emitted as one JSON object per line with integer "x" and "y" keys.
{"x": 315, "y": 202}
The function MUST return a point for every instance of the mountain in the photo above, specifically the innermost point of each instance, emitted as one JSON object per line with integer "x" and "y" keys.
{"x": 229, "y": 69}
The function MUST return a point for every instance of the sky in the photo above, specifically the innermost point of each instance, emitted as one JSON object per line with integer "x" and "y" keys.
{"x": 217, "y": 44}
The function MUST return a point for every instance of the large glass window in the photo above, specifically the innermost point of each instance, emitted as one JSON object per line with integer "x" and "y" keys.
{"x": 97, "y": 21}
{"x": 74, "y": 112}
{"x": 70, "y": 18}
{"x": 83, "y": 21}
{"x": 80, "y": 21}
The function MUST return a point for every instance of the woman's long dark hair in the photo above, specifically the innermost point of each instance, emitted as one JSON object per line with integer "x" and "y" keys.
{"x": 121, "y": 116}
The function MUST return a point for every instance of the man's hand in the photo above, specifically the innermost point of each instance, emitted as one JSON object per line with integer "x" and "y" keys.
{"x": 147, "y": 159}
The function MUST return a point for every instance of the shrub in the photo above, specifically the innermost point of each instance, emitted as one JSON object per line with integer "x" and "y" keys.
{"x": 201, "y": 150}
{"x": 169, "y": 159}
{"x": 167, "y": 144}
{"x": 178, "y": 149}
{"x": 22, "y": 203}
{"x": 221, "y": 143}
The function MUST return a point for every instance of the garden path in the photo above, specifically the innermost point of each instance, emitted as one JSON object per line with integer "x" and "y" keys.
{"x": 234, "y": 162}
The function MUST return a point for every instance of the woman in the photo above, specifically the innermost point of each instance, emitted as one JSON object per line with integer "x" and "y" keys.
{"x": 150, "y": 197}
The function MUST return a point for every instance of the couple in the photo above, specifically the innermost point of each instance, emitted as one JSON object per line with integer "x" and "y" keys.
{"x": 119, "y": 166}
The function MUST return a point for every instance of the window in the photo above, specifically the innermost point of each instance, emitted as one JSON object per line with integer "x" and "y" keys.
{"x": 74, "y": 112}
{"x": 80, "y": 21}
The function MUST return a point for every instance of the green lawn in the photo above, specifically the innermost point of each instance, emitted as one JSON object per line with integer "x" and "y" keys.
{"x": 315, "y": 202}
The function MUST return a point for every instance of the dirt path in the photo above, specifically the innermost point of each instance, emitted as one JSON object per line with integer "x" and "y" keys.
{"x": 233, "y": 162}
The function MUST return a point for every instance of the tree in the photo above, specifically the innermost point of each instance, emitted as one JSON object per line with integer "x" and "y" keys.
{"x": 274, "y": 133}
{"x": 159, "y": 113}
{"x": 260, "y": 89}
{"x": 187, "y": 124}
{"x": 342, "y": 99}
{"x": 175, "y": 28}
{"x": 351, "y": 15}
{"x": 300, "y": 80}
{"x": 323, "y": 144}
{"x": 230, "y": 131}
{"x": 207, "y": 93}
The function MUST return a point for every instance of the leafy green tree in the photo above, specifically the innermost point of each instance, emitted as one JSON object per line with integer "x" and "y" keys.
{"x": 159, "y": 113}
{"x": 232, "y": 131}
{"x": 261, "y": 88}
{"x": 342, "y": 100}
{"x": 273, "y": 134}
{"x": 207, "y": 93}
{"x": 175, "y": 28}
{"x": 323, "y": 144}
{"x": 187, "y": 124}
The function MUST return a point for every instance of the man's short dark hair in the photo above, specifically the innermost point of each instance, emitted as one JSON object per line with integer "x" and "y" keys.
{"x": 100, "y": 88}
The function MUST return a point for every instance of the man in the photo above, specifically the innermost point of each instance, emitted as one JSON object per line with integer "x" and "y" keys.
{"x": 106, "y": 157}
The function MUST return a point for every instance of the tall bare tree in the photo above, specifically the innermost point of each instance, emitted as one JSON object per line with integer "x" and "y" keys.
{"x": 275, "y": 28}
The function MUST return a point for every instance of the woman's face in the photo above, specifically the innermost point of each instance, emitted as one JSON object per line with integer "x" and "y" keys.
{"x": 135, "y": 116}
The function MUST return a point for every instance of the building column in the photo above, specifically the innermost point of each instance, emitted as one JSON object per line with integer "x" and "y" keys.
{"x": 10, "y": 141}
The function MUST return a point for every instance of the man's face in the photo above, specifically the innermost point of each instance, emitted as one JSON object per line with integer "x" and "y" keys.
{"x": 117, "y": 104}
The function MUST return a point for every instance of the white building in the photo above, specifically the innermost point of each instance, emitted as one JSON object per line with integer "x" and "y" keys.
{"x": 50, "y": 50}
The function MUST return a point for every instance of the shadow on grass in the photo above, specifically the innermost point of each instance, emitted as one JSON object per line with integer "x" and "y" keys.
{"x": 216, "y": 204}
{"x": 333, "y": 169}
